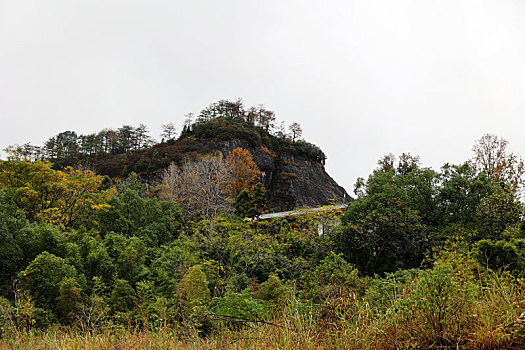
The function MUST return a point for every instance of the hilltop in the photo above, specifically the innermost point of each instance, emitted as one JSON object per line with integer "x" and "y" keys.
{"x": 293, "y": 170}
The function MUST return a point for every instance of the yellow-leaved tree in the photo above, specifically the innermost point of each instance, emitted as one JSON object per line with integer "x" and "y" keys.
{"x": 69, "y": 197}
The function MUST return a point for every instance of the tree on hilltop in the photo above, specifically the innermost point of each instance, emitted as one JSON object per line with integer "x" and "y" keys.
{"x": 168, "y": 131}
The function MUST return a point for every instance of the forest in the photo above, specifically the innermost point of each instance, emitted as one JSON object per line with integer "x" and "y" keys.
{"x": 422, "y": 258}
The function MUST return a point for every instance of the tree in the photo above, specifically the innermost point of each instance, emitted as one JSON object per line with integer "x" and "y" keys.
{"x": 407, "y": 163}
{"x": 460, "y": 192}
{"x": 12, "y": 222}
{"x": 153, "y": 221}
{"x": 497, "y": 212}
{"x": 70, "y": 296}
{"x": 388, "y": 226}
{"x": 383, "y": 236}
{"x": 24, "y": 152}
{"x": 265, "y": 118}
{"x": 386, "y": 163}
{"x": 332, "y": 277}
{"x": 129, "y": 256}
{"x": 109, "y": 141}
{"x": 122, "y": 297}
{"x": 168, "y": 131}
{"x": 199, "y": 187}
{"x": 244, "y": 170}
{"x": 194, "y": 287}
{"x": 194, "y": 292}
{"x": 491, "y": 157}
{"x": 188, "y": 121}
{"x": 69, "y": 197}
{"x": 223, "y": 108}
{"x": 251, "y": 203}
{"x": 89, "y": 144}
{"x": 142, "y": 138}
{"x": 63, "y": 148}
{"x": 42, "y": 278}
{"x": 296, "y": 131}
{"x": 251, "y": 115}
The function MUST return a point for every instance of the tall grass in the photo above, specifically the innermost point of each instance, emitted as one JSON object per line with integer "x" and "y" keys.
{"x": 445, "y": 307}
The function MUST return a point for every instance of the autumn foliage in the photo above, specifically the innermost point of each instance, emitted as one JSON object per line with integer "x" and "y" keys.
{"x": 68, "y": 197}
{"x": 492, "y": 157}
{"x": 421, "y": 259}
{"x": 244, "y": 170}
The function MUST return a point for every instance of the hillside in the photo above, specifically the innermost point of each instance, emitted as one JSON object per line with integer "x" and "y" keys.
{"x": 292, "y": 172}
{"x": 292, "y": 169}
{"x": 98, "y": 263}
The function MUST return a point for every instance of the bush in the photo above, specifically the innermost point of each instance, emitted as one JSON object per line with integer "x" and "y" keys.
{"x": 332, "y": 278}
{"x": 273, "y": 290}
{"x": 509, "y": 255}
{"x": 241, "y": 305}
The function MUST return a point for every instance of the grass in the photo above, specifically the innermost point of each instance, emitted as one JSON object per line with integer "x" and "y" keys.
{"x": 441, "y": 308}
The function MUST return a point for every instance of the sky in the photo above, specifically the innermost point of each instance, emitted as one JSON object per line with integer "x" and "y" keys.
{"x": 363, "y": 78}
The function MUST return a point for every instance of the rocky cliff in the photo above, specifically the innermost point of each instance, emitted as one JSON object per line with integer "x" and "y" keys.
{"x": 292, "y": 181}
{"x": 292, "y": 172}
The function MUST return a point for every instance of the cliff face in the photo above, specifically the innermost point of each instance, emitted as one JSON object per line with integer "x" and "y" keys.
{"x": 291, "y": 181}
{"x": 292, "y": 172}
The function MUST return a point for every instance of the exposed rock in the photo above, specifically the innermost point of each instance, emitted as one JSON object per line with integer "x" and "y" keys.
{"x": 292, "y": 173}
{"x": 292, "y": 181}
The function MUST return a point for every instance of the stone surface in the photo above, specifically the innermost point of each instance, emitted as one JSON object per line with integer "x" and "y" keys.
{"x": 292, "y": 182}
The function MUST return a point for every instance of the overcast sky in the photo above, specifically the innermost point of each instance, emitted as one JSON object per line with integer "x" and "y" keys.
{"x": 363, "y": 78}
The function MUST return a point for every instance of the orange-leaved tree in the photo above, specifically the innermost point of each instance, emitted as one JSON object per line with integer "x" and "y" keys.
{"x": 244, "y": 170}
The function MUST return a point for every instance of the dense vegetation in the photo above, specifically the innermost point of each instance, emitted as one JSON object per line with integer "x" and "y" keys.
{"x": 422, "y": 258}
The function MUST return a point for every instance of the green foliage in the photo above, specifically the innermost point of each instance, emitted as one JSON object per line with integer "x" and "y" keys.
{"x": 70, "y": 295}
{"x": 224, "y": 127}
{"x": 42, "y": 279}
{"x": 97, "y": 262}
{"x": 122, "y": 299}
{"x": 509, "y": 255}
{"x": 381, "y": 292}
{"x": 382, "y": 237}
{"x": 69, "y": 198}
{"x": 437, "y": 310}
{"x": 129, "y": 256}
{"x": 332, "y": 278}
{"x": 387, "y": 227}
{"x": 404, "y": 212}
{"x": 497, "y": 212}
{"x": 194, "y": 288}
{"x": 135, "y": 184}
{"x": 12, "y": 221}
{"x": 7, "y": 322}
{"x": 195, "y": 297}
{"x": 169, "y": 265}
{"x": 461, "y": 191}
{"x": 241, "y": 305}
{"x": 146, "y": 218}
{"x": 243, "y": 207}
{"x": 251, "y": 203}
{"x": 128, "y": 260}
{"x": 273, "y": 290}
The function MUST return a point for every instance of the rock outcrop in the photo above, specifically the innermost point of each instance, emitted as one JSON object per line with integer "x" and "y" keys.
{"x": 292, "y": 172}
{"x": 292, "y": 181}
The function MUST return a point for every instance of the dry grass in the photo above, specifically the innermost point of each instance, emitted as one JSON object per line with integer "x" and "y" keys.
{"x": 493, "y": 318}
